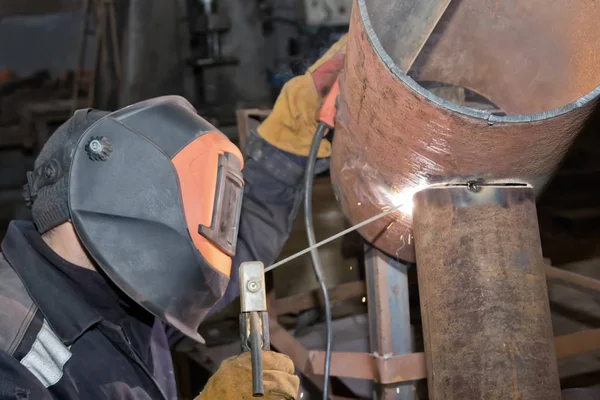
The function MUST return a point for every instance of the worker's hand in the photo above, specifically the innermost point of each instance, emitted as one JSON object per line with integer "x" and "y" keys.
{"x": 292, "y": 124}
{"x": 233, "y": 379}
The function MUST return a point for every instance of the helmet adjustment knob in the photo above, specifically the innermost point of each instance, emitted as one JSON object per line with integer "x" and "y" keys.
{"x": 98, "y": 148}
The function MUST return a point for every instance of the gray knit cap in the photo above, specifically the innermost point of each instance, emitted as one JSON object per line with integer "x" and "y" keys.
{"x": 46, "y": 191}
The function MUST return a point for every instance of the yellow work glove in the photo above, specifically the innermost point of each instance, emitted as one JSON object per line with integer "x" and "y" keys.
{"x": 293, "y": 122}
{"x": 233, "y": 379}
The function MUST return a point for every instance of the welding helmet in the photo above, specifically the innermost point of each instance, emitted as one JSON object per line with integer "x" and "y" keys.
{"x": 155, "y": 195}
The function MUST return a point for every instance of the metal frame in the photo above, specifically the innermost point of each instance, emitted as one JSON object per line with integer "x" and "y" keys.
{"x": 392, "y": 364}
{"x": 391, "y": 370}
{"x": 389, "y": 318}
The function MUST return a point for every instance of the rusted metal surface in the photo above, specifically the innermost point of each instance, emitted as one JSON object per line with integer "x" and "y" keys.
{"x": 403, "y": 368}
{"x": 526, "y": 57}
{"x": 389, "y": 317}
{"x": 577, "y": 343}
{"x": 484, "y": 301}
{"x": 394, "y": 137}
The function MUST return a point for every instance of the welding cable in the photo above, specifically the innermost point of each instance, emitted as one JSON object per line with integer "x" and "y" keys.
{"x": 314, "y": 252}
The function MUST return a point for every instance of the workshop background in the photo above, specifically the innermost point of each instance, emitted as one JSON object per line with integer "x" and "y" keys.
{"x": 230, "y": 58}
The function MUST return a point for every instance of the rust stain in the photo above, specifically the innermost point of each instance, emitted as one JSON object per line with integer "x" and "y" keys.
{"x": 491, "y": 332}
{"x": 496, "y": 6}
{"x": 515, "y": 382}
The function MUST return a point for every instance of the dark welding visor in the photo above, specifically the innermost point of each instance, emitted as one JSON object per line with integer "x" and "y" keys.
{"x": 223, "y": 230}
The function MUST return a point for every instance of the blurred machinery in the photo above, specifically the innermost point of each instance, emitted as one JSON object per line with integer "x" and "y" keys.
{"x": 208, "y": 21}
{"x": 327, "y": 12}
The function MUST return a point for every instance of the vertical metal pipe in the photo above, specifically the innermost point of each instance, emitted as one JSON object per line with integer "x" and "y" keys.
{"x": 484, "y": 302}
{"x": 389, "y": 316}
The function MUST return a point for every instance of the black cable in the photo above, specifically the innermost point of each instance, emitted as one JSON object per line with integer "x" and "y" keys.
{"x": 314, "y": 253}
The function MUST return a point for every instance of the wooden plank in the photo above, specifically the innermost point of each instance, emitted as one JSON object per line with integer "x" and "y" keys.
{"x": 284, "y": 342}
{"x": 572, "y": 279}
{"x": 402, "y": 368}
{"x": 577, "y": 343}
{"x": 314, "y": 298}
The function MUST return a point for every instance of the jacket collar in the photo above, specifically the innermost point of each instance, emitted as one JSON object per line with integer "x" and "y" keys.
{"x": 64, "y": 309}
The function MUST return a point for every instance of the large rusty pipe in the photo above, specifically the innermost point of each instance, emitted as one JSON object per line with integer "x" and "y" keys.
{"x": 484, "y": 302}
{"x": 394, "y": 137}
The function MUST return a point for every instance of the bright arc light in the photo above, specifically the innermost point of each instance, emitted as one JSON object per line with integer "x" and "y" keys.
{"x": 404, "y": 200}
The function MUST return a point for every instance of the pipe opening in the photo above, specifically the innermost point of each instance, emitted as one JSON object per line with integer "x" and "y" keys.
{"x": 533, "y": 60}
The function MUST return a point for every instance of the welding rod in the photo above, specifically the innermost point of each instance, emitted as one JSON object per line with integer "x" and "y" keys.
{"x": 332, "y": 238}
{"x": 256, "y": 356}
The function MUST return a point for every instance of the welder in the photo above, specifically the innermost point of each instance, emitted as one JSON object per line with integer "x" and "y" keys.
{"x": 140, "y": 220}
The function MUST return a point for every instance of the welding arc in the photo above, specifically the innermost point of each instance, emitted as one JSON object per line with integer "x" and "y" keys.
{"x": 332, "y": 238}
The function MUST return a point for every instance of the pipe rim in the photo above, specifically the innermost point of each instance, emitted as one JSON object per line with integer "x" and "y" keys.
{"x": 448, "y": 105}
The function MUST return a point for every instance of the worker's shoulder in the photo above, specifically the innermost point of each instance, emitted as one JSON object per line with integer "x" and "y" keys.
{"x": 17, "y": 308}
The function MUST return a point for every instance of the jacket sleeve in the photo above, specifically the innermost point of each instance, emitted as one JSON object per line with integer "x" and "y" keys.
{"x": 272, "y": 197}
{"x": 17, "y": 383}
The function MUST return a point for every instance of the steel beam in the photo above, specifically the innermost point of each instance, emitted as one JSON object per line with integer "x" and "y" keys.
{"x": 389, "y": 316}
{"x": 484, "y": 302}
